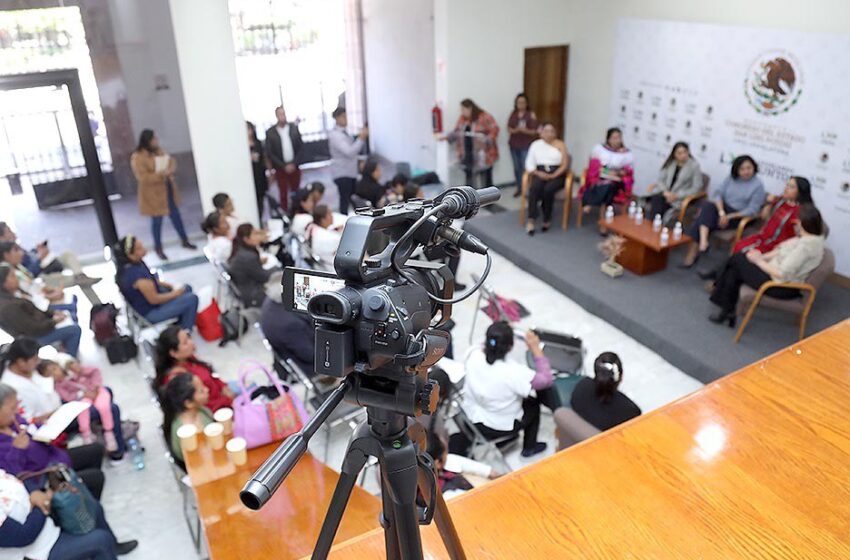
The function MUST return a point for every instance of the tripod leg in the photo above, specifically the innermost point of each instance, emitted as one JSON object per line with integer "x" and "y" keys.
{"x": 354, "y": 460}
{"x": 399, "y": 472}
{"x": 443, "y": 519}
{"x": 389, "y": 524}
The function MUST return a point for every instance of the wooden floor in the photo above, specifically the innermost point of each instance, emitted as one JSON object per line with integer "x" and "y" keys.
{"x": 755, "y": 465}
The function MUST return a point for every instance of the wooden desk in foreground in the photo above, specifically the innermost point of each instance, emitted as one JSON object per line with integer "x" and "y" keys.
{"x": 755, "y": 465}
{"x": 287, "y": 527}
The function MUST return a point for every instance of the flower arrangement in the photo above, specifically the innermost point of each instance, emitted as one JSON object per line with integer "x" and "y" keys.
{"x": 611, "y": 249}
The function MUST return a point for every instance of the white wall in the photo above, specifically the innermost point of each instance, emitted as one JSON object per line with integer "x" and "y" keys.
{"x": 217, "y": 128}
{"x": 482, "y": 42}
{"x": 398, "y": 43}
{"x": 144, "y": 40}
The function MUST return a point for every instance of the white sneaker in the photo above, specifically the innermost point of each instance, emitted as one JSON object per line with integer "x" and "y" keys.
{"x": 111, "y": 443}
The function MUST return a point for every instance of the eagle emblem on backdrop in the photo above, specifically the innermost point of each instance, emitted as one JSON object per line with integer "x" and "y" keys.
{"x": 773, "y": 83}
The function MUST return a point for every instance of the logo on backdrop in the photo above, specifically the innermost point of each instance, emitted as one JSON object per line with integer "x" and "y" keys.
{"x": 774, "y": 82}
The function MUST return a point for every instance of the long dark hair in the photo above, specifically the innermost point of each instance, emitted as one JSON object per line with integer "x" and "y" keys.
{"x": 5, "y": 271}
{"x": 810, "y": 219}
{"x": 299, "y": 197}
{"x": 608, "y": 372}
{"x": 243, "y": 231}
{"x": 527, "y": 102}
{"x": 172, "y": 398}
{"x": 476, "y": 110}
{"x": 369, "y": 167}
{"x": 672, "y": 155}
{"x": 500, "y": 340}
{"x": 253, "y": 131}
{"x": 739, "y": 161}
{"x": 145, "y": 139}
{"x": 164, "y": 362}
{"x": 121, "y": 255}
{"x": 804, "y": 190}
{"x": 22, "y": 348}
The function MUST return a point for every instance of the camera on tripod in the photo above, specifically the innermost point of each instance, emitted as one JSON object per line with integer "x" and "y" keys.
{"x": 378, "y": 327}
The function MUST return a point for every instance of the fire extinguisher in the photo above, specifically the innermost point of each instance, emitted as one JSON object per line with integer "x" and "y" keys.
{"x": 437, "y": 119}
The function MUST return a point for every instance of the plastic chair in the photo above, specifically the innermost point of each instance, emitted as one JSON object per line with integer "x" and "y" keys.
{"x": 568, "y": 198}
{"x": 750, "y": 299}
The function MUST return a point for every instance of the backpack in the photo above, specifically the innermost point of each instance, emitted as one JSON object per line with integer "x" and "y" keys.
{"x": 233, "y": 325}
{"x": 103, "y": 322}
{"x": 121, "y": 349}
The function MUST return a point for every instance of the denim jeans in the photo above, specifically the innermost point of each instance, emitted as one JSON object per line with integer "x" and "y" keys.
{"x": 518, "y": 158}
{"x": 176, "y": 221}
{"x": 98, "y": 544}
{"x": 184, "y": 308}
{"x": 69, "y": 337}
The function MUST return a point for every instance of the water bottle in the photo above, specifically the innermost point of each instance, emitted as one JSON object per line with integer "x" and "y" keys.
{"x": 665, "y": 237}
{"x": 137, "y": 454}
{"x": 656, "y": 223}
{"x": 632, "y": 209}
{"x": 639, "y": 216}
{"x": 609, "y": 214}
{"x": 677, "y": 231}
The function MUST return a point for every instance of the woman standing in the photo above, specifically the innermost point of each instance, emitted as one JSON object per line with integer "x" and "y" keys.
{"x": 474, "y": 136}
{"x": 792, "y": 261}
{"x": 547, "y": 162}
{"x": 158, "y": 194}
{"x": 680, "y": 177}
{"x": 741, "y": 194}
{"x": 258, "y": 165}
{"x": 522, "y": 127}
{"x": 610, "y": 174}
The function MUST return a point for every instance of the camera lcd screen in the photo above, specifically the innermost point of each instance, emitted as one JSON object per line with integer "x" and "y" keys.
{"x": 307, "y": 284}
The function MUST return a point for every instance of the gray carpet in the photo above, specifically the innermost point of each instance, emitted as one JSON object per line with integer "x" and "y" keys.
{"x": 666, "y": 311}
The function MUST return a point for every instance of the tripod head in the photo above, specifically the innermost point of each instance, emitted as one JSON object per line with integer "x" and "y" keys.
{"x": 377, "y": 320}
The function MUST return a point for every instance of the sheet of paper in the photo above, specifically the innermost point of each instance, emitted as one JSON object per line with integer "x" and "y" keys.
{"x": 161, "y": 163}
{"x": 59, "y": 420}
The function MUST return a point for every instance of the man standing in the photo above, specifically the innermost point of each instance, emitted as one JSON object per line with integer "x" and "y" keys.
{"x": 344, "y": 152}
{"x": 283, "y": 148}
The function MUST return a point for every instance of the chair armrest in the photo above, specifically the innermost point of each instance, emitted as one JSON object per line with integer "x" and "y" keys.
{"x": 742, "y": 225}
{"x": 526, "y": 181}
{"x": 687, "y": 201}
{"x": 568, "y": 184}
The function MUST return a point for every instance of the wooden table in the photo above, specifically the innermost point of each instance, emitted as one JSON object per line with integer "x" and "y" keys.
{"x": 755, "y": 465}
{"x": 642, "y": 253}
{"x": 287, "y": 527}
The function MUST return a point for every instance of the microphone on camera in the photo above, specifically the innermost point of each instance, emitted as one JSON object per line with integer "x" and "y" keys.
{"x": 464, "y": 202}
{"x": 462, "y": 239}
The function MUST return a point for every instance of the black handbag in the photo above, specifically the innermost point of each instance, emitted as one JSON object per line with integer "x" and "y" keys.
{"x": 121, "y": 349}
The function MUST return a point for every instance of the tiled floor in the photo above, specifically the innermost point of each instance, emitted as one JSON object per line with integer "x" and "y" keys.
{"x": 146, "y": 504}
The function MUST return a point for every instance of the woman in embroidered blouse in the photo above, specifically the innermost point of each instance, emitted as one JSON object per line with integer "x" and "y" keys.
{"x": 475, "y": 137}
{"x": 610, "y": 174}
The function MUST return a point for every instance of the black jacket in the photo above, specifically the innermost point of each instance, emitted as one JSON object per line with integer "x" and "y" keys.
{"x": 274, "y": 149}
{"x": 371, "y": 190}
{"x": 290, "y": 334}
{"x": 19, "y": 317}
{"x": 250, "y": 277}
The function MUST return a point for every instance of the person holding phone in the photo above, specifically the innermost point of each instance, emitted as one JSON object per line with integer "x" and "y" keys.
{"x": 502, "y": 396}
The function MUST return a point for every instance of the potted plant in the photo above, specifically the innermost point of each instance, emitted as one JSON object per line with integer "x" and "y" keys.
{"x": 611, "y": 248}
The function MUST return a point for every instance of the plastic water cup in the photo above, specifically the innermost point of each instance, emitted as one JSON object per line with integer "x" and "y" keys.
{"x": 224, "y": 416}
{"x": 215, "y": 435}
{"x": 188, "y": 436}
{"x": 237, "y": 451}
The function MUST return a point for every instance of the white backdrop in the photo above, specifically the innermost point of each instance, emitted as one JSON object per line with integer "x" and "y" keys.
{"x": 780, "y": 96}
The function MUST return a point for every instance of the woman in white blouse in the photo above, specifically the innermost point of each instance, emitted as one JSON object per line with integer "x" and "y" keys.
{"x": 547, "y": 162}
{"x": 217, "y": 228}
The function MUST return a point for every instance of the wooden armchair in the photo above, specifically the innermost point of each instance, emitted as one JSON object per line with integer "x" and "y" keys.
{"x": 580, "y": 218}
{"x": 689, "y": 200}
{"x": 750, "y": 299}
{"x": 568, "y": 198}
{"x": 732, "y": 236}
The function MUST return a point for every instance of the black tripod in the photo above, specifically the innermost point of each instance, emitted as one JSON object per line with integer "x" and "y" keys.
{"x": 404, "y": 469}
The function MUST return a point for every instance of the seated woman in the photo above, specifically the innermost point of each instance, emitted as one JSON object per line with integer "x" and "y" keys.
{"x": 224, "y": 204}
{"x": 28, "y": 531}
{"x": 741, "y": 194}
{"x": 155, "y": 300}
{"x": 597, "y": 400}
{"x": 301, "y": 214}
{"x": 680, "y": 177}
{"x": 610, "y": 174}
{"x": 20, "y": 453}
{"x": 77, "y": 382}
{"x": 547, "y": 162}
{"x": 412, "y": 191}
{"x": 246, "y": 265}
{"x": 323, "y": 236}
{"x": 292, "y": 335}
{"x": 175, "y": 354}
{"x": 498, "y": 395}
{"x": 219, "y": 243}
{"x": 780, "y": 225}
{"x": 184, "y": 402}
{"x": 451, "y": 468}
{"x": 369, "y": 186}
{"x": 20, "y": 317}
{"x": 45, "y": 297}
{"x": 792, "y": 261}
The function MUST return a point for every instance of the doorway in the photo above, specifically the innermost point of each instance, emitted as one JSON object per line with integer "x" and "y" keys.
{"x": 545, "y": 83}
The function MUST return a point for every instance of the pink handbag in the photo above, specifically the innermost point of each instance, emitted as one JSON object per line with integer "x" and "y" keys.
{"x": 261, "y": 423}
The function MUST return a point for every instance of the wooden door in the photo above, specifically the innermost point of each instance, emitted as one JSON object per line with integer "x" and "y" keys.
{"x": 546, "y": 83}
